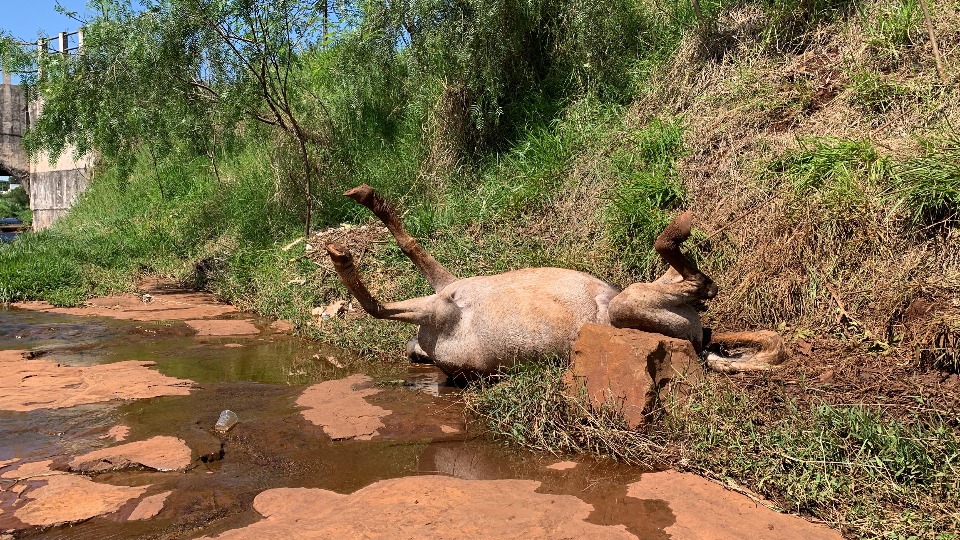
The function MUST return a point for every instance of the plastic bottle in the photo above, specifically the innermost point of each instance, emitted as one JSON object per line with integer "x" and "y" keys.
{"x": 227, "y": 420}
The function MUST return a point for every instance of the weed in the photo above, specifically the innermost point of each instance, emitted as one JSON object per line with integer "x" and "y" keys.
{"x": 929, "y": 184}
{"x": 894, "y": 28}
{"x": 530, "y": 404}
{"x": 877, "y": 93}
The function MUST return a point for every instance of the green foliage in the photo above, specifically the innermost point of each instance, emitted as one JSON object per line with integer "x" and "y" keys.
{"x": 15, "y": 203}
{"x": 894, "y": 28}
{"x": 839, "y": 175}
{"x": 531, "y": 405}
{"x": 929, "y": 184}
{"x": 873, "y": 475}
{"x": 876, "y": 92}
{"x": 646, "y": 189}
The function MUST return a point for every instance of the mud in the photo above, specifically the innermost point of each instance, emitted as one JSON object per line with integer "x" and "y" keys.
{"x": 422, "y": 472}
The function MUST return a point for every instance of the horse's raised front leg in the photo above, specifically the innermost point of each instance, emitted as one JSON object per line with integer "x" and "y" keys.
{"x": 438, "y": 276}
{"x": 413, "y": 311}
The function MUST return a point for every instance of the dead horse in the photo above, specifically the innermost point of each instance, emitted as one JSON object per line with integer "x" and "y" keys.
{"x": 477, "y": 325}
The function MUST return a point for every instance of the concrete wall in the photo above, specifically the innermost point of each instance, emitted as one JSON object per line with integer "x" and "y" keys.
{"x": 53, "y": 187}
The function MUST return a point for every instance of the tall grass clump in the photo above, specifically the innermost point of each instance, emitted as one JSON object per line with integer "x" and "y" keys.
{"x": 929, "y": 184}
{"x": 531, "y": 404}
{"x": 646, "y": 188}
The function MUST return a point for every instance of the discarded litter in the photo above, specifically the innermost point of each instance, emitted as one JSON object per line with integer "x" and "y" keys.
{"x": 227, "y": 420}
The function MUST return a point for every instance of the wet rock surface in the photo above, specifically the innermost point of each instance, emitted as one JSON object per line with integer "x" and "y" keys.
{"x": 228, "y": 327}
{"x": 26, "y": 385}
{"x": 630, "y": 369}
{"x": 340, "y": 408}
{"x": 425, "y": 507}
{"x": 161, "y": 453}
{"x": 50, "y": 497}
{"x": 705, "y": 510}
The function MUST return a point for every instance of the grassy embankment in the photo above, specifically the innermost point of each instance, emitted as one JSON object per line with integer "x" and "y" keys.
{"x": 816, "y": 142}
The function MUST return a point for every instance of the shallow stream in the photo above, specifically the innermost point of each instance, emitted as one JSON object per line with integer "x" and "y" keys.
{"x": 260, "y": 378}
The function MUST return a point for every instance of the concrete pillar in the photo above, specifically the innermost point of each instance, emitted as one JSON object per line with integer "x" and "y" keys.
{"x": 62, "y": 38}
{"x": 80, "y": 40}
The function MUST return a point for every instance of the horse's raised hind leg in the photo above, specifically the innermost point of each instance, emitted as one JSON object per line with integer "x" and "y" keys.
{"x": 667, "y": 246}
{"x": 413, "y": 311}
{"x": 438, "y": 276}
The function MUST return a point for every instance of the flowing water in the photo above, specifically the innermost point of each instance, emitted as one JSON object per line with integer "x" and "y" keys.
{"x": 260, "y": 378}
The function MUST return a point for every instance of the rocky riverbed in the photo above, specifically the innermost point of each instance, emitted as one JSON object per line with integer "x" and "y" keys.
{"x": 107, "y": 417}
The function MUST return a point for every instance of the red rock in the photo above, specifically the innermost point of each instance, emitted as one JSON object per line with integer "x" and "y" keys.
{"x": 562, "y": 466}
{"x": 631, "y": 369}
{"x": 219, "y": 327}
{"x": 161, "y": 453}
{"x": 339, "y": 407}
{"x": 27, "y": 385}
{"x": 435, "y": 507}
{"x": 66, "y": 498}
{"x": 705, "y": 510}
{"x": 149, "y": 506}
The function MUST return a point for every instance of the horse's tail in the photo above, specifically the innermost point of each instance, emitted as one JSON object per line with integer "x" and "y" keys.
{"x": 759, "y": 350}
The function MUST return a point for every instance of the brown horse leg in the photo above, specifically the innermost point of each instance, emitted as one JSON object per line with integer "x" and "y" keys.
{"x": 414, "y": 311}
{"x": 438, "y": 276}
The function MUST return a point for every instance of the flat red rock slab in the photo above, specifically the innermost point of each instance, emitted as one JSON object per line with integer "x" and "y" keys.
{"x": 434, "y": 507}
{"x": 705, "y": 510}
{"x": 66, "y": 498}
{"x": 161, "y": 453}
{"x": 149, "y": 506}
{"x": 338, "y": 406}
{"x": 129, "y": 307}
{"x": 27, "y": 385}
{"x": 223, "y": 327}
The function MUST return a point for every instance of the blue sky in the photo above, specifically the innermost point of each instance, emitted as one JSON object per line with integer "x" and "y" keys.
{"x": 25, "y": 19}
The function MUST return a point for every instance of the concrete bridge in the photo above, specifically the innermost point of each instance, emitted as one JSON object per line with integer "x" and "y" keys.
{"x": 53, "y": 187}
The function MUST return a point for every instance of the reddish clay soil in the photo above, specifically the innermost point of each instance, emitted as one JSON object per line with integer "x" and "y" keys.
{"x": 562, "y": 466}
{"x": 27, "y": 385}
{"x": 340, "y": 408}
{"x": 161, "y": 453}
{"x": 436, "y": 507}
{"x": 704, "y": 510}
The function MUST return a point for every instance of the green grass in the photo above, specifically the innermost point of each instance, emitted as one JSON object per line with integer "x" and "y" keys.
{"x": 872, "y": 475}
{"x": 894, "y": 29}
{"x": 531, "y": 405}
{"x": 929, "y": 184}
{"x": 646, "y": 188}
